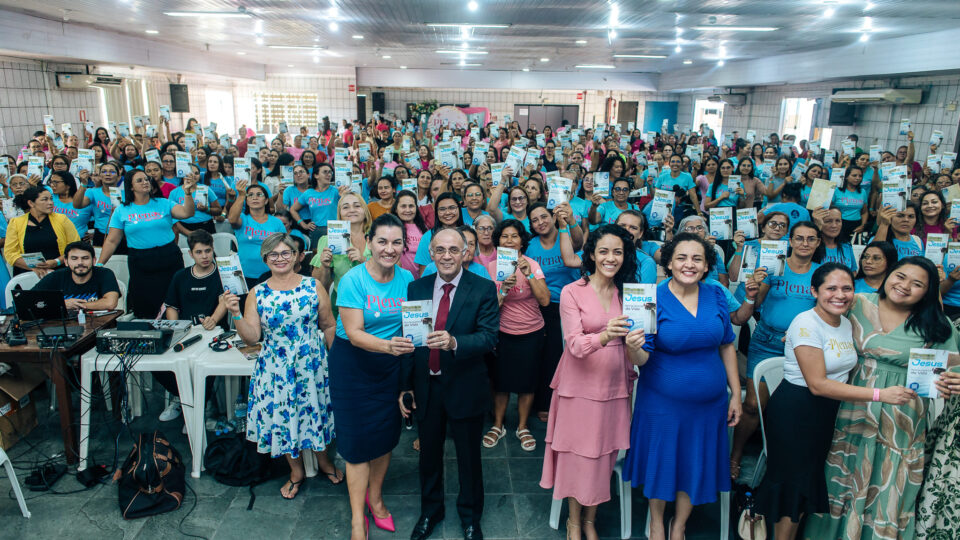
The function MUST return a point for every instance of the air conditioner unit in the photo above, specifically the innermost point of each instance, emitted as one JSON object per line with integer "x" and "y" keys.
{"x": 730, "y": 99}
{"x": 879, "y": 96}
{"x": 79, "y": 81}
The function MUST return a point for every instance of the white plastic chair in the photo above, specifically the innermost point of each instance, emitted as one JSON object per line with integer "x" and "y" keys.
{"x": 623, "y": 487}
{"x": 187, "y": 259}
{"x": 12, "y": 475}
{"x": 224, "y": 244}
{"x": 770, "y": 370}
{"x": 25, "y": 280}
{"x": 118, "y": 265}
{"x": 182, "y": 242}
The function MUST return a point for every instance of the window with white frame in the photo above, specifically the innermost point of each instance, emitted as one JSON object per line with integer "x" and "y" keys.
{"x": 296, "y": 109}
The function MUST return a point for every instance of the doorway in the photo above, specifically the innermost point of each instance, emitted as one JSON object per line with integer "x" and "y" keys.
{"x": 796, "y": 118}
{"x": 627, "y": 114}
{"x": 545, "y": 115}
{"x": 220, "y": 106}
{"x": 709, "y": 113}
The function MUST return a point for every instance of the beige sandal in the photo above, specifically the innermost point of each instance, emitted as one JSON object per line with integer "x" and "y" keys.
{"x": 493, "y": 436}
{"x": 527, "y": 442}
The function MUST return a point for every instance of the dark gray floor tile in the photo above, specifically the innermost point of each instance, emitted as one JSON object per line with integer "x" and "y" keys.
{"x": 499, "y": 518}
{"x": 496, "y": 476}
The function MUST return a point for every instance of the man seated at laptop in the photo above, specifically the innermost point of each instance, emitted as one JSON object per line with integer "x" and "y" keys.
{"x": 194, "y": 294}
{"x": 84, "y": 285}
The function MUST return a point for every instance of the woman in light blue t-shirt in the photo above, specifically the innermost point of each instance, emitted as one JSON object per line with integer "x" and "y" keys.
{"x": 365, "y": 366}
{"x": 852, "y": 200}
{"x": 152, "y": 253}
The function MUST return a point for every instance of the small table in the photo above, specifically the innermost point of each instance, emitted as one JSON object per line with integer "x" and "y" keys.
{"x": 54, "y": 363}
{"x": 180, "y": 363}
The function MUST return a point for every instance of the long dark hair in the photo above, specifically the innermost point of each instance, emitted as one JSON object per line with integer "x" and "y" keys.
{"x": 128, "y": 186}
{"x": 516, "y": 225}
{"x": 628, "y": 270}
{"x": 890, "y": 255}
{"x": 417, "y": 217}
{"x": 822, "y": 271}
{"x": 436, "y": 204}
{"x": 718, "y": 178}
{"x": 846, "y": 176}
{"x": 921, "y": 225}
{"x": 926, "y": 316}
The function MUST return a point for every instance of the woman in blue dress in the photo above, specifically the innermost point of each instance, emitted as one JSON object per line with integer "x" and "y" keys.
{"x": 365, "y": 369}
{"x": 288, "y": 404}
{"x": 678, "y": 437}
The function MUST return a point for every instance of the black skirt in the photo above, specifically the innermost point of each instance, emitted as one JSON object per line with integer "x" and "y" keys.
{"x": 210, "y": 226}
{"x": 550, "y": 355}
{"x": 799, "y": 428}
{"x": 151, "y": 271}
{"x": 517, "y": 365}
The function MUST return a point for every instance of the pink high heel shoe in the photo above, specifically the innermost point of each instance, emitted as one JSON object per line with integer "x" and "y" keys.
{"x": 381, "y": 523}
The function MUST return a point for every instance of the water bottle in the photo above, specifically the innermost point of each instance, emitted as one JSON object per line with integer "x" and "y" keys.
{"x": 240, "y": 415}
{"x": 748, "y": 504}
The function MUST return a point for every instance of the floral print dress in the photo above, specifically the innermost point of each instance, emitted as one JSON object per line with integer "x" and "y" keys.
{"x": 938, "y": 515}
{"x": 288, "y": 409}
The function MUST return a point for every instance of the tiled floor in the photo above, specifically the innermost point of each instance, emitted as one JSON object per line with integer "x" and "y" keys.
{"x": 515, "y": 506}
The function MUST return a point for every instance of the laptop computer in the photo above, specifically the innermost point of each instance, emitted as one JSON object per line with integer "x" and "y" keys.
{"x": 32, "y": 305}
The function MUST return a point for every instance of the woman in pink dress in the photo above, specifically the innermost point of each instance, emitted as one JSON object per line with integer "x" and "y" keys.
{"x": 589, "y": 421}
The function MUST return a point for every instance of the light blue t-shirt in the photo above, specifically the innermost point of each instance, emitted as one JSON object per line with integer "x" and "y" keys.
{"x": 219, "y": 189}
{"x": 842, "y": 254}
{"x": 250, "y": 235}
{"x": 581, "y": 208}
{"x": 556, "y": 274}
{"x": 145, "y": 226}
{"x": 730, "y": 201}
{"x": 774, "y": 182}
{"x": 952, "y": 296}
{"x": 650, "y": 247}
{"x": 380, "y": 302}
{"x": 608, "y": 212}
{"x": 474, "y": 268}
{"x": 850, "y": 203}
{"x": 322, "y": 204}
{"x": 646, "y": 268}
{"x": 789, "y": 296}
{"x": 667, "y": 182}
{"x": 423, "y": 249}
{"x": 910, "y": 248}
{"x": 291, "y": 194}
{"x": 794, "y": 212}
{"x": 467, "y": 219}
{"x": 101, "y": 206}
{"x": 178, "y": 196}
{"x": 79, "y": 216}
{"x": 719, "y": 267}
{"x": 860, "y": 286}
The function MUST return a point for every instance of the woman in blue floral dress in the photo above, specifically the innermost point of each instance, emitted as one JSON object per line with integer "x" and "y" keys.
{"x": 288, "y": 409}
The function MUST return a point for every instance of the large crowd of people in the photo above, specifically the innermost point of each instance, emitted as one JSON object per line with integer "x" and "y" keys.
{"x": 338, "y": 227}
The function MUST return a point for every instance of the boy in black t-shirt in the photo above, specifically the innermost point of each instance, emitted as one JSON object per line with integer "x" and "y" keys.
{"x": 194, "y": 292}
{"x": 84, "y": 285}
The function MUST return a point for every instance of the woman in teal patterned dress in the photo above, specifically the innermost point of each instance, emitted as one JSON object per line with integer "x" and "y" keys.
{"x": 288, "y": 409}
{"x": 875, "y": 465}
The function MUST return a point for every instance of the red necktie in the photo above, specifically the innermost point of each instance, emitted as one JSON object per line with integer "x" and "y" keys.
{"x": 442, "y": 311}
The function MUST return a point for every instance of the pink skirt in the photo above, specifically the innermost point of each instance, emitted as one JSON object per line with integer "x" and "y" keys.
{"x": 583, "y": 440}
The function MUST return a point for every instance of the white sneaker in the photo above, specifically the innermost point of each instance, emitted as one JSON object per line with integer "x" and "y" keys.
{"x": 172, "y": 411}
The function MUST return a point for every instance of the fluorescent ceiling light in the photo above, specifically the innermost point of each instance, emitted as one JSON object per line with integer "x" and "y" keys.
{"x": 386, "y": 57}
{"x": 472, "y": 6}
{"x": 687, "y": 62}
{"x": 639, "y": 56}
{"x": 720, "y": 63}
{"x": 206, "y": 14}
{"x": 403, "y": 67}
{"x": 298, "y": 47}
{"x": 828, "y": 12}
{"x": 442, "y": 25}
{"x": 469, "y": 65}
{"x": 461, "y": 52}
{"x": 152, "y": 31}
{"x": 241, "y": 53}
{"x": 526, "y": 69}
{"x": 735, "y": 28}
{"x": 289, "y": 65}
{"x": 595, "y": 66}
{"x": 357, "y": 36}
{"x": 334, "y": 26}
{"x": 864, "y": 37}
{"x": 581, "y": 42}
{"x": 544, "y": 59}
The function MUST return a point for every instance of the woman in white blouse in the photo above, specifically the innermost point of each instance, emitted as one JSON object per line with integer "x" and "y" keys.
{"x": 800, "y": 416}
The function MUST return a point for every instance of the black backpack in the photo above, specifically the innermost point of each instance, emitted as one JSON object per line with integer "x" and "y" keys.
{"x": 153, "y": 479}
{"x": 234, "y": 461}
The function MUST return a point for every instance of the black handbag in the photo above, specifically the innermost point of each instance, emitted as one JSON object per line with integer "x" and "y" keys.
{"x": 153, "y": 478}
{"x": 234, "y": 461}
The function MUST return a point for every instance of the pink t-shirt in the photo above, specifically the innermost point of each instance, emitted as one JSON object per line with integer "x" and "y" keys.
{"x": 413, "y": 241}
{"x": 520, "y": 312}
{"x": 480, "y": 258}
{"x": 294, "y": 151}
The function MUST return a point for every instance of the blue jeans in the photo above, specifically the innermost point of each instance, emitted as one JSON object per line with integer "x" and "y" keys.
{"x": 765, "y": 342}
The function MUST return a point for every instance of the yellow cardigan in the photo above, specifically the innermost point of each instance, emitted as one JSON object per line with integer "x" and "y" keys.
{"x": 17, "y": 229}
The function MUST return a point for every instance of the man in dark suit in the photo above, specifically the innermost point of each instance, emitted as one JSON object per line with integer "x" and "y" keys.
{"x": 448, "y": 381}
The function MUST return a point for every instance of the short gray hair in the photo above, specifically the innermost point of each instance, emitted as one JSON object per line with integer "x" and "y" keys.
{"x": 275, "y": 240}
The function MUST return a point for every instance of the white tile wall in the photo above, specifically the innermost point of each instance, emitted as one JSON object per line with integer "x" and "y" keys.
{"x": 501, "y": 102}
{"x": 876, "y": 124}
{"x": 28, "y": 90}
